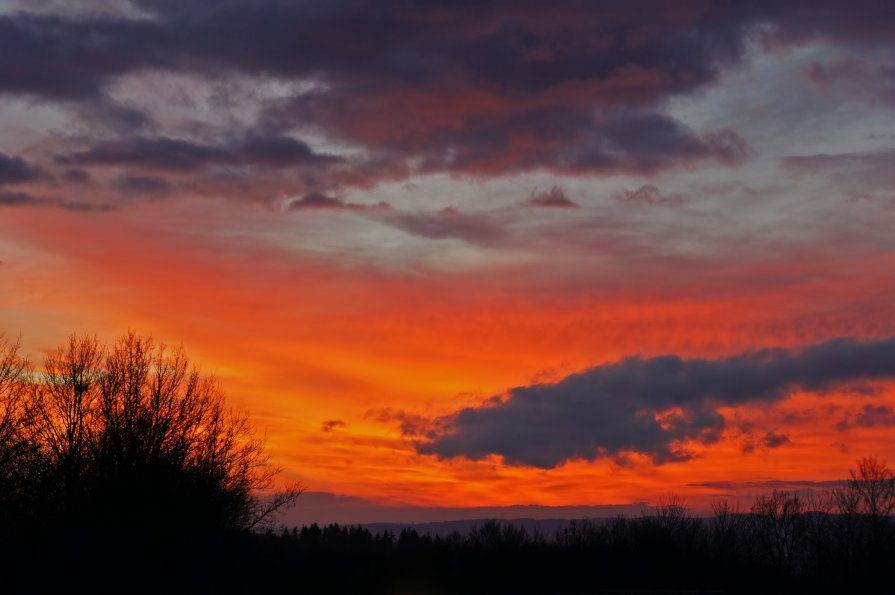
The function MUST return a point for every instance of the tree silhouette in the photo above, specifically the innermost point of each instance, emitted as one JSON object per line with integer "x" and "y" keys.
{"x": 66, "y": 418}
{"x": 135, "y": 436}
{"x": 778, "y": 524}
{"x": 873, "y": 483}
{"x": 19, "y": 460}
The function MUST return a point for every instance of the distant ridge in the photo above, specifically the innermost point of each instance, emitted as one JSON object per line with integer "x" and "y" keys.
{"x": 326, "y": 508}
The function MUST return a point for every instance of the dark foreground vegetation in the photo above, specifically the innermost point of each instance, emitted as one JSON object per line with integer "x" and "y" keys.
{"x": 121, "y": 469}
{"x": 121, "y": 458}
{"x": 842, "y": 542}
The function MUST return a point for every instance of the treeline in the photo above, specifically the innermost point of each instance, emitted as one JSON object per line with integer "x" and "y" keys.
{"x": 841, "y": 542}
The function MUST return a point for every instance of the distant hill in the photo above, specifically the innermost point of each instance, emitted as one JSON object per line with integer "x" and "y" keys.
{"x": 325, "y": 508}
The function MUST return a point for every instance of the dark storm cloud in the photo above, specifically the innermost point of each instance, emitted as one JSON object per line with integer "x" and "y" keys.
{"x": 14, "y": 170}
{"x": 647, "y": 406}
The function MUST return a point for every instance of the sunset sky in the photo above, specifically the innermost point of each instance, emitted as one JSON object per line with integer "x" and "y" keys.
{"x": 475, "y": 254}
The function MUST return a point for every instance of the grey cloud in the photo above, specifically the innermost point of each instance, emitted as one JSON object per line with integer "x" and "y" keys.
{"x": 769, "y": 441}
{"x": 76, "y": 175}
{"x": 649, "y": 406}
{"x": 449, "y": 223}
{"x": 142, "y": 185}
{"x": 648, "y": 194}
{"x": 853, "y": 77}
{"x": 775, "y": 440}
{"x": 319, "y": 201}
{"x": 23, "y": 199}
{"x": 14, "y": 170}
{"x": 870, "y": 416}
{"x": 555, "y": 197}
{"x": 15, "y": 199}
{"x": 475, "y": 88}
{"x": 873, "y": 168}
{"x": 181, "y": 155}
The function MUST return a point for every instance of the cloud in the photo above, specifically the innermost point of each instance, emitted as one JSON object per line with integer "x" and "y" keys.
{"x": 769, "y": 441}
{"x": 14, "y": 170}
{"x": 875, "y": 168}
{"x": 574, "y": 140}
{"x": 871, "y": 416}
{"x": 274, "y": 151}
{"x": 15, "y": 199}
{"x": 555, "y": 197}
{"x": 858, "y": 78}
{"x": 650, "y": 406}
{"x": 23, "y": 199}
{"x": 448, "y": 223}
{"x": 518, "y": 47}
{"x": 142, "y": 185}
{"x": 775, "y": 440}
{"x": 773, "y": 484}
{"x": 76, "y": 175}
{"x": 410, "y": 424}
{"x": 332, "y": 424}
{"x": 476, "y": 89}
{"x": 648, "y": 194}
{"x": 317, "y": 200}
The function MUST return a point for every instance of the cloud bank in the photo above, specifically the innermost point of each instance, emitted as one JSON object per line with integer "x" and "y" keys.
{"x": 651, "y": 406}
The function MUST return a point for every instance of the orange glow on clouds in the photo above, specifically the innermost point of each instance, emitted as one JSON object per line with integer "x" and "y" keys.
{"x": 301, "y": 339}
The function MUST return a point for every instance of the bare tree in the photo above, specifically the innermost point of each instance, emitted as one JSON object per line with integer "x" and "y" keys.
{"x": 65, "y": 406}
{"x": 18, "y": 453}
{"x": 874, "y": 484}
{"x": 779, "y": 527}
{"x": 15, "y": 412}
{"x": 846, "y": 503}
{"x": 727, "y": 525}
{"x": 166, "y": 423}
{"x": 137, "y": 432}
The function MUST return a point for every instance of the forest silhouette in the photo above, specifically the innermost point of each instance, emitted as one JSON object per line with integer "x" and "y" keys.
{"x": 123, "y": 468}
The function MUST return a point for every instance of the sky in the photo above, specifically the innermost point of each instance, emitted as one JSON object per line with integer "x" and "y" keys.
{"x": 475, "y": 255}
